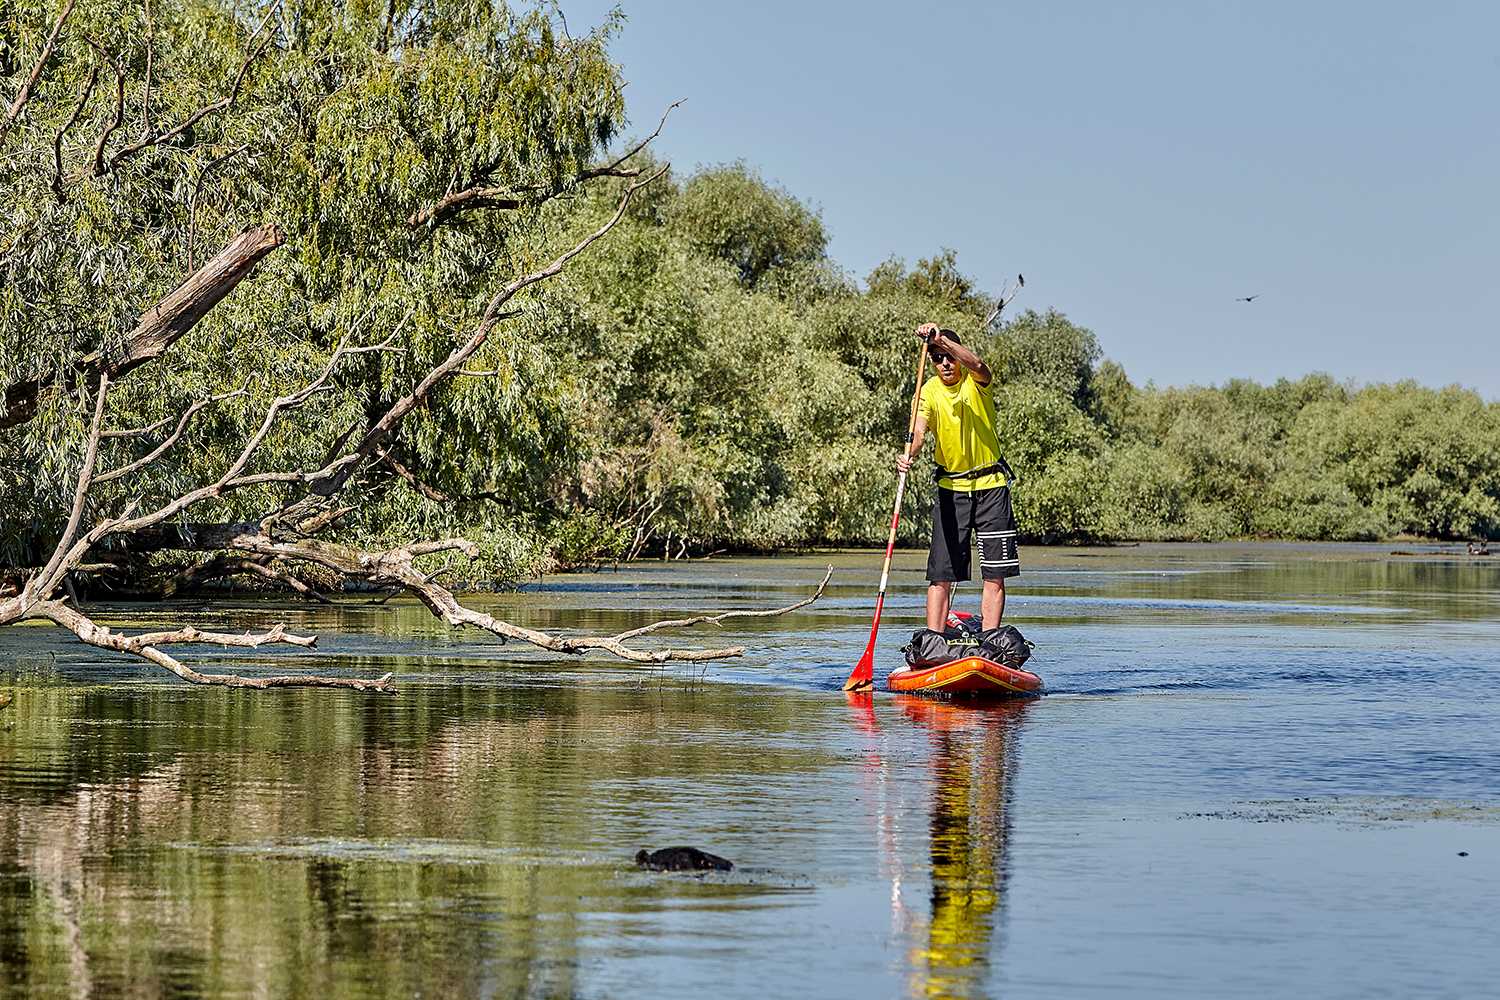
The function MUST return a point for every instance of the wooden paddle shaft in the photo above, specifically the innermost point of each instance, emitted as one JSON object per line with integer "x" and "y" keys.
{"x": 911, "y": 433}
{"x": 864, "y": 671}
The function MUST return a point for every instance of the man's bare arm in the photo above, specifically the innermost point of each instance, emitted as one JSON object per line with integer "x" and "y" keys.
{"x": 936, "y": 338}
{"x": 904, "y": 460}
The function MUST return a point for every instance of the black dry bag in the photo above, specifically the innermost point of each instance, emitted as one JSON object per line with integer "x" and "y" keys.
{"x": 930, "y": 649}
{"x": 1004, "y": 645}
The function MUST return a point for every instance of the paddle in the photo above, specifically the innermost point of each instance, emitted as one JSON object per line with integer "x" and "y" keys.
{"x": 862, "y": 678}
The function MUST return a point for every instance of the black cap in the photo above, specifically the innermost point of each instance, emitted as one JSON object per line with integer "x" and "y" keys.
{"x": 950, "y": 335}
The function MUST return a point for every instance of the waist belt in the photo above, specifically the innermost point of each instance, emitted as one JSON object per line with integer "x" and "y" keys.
{"x": 1001, "y": 466}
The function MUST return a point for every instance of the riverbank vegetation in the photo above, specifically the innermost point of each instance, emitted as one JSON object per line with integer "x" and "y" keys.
{"x": 257, "y": 256}
{"x": 729, "y": 386}
{"x": 483, "y": 328}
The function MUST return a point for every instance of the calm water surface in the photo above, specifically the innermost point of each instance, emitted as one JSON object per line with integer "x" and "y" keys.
{"x": 1259, "y": 771}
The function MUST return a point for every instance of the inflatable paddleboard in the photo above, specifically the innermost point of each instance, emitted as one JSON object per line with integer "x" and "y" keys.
{"x": 972, "y": 677}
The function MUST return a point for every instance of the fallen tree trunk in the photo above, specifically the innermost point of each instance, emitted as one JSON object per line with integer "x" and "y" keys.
{"x": 394, "y": 568}
{"x": 145, "y": 646}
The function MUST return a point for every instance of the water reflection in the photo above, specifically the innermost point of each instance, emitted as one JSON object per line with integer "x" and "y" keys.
{"x": 473, "y": 837}
{"x": 970, "y": 766}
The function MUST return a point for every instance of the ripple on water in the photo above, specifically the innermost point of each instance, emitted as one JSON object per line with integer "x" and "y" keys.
{"x": 1359, "y": 811}
{"x": 420, "y": 851}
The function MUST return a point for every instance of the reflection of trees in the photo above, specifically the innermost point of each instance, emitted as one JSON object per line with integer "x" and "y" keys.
{"x": 968, "y": 828}
{"x": 114, "y": 813}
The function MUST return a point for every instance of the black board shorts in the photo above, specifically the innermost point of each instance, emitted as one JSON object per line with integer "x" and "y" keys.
{"x": 985, "y": 513}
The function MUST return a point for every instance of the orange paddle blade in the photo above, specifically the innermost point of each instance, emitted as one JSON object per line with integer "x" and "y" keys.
{"x": 863, "y": 675}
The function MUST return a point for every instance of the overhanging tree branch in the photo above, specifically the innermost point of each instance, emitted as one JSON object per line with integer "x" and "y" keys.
{"x": 24, "y": 94}
{"x": 158, "y": 328}
{"x": 145, "y": 647}
{"x": 480, "y": 196}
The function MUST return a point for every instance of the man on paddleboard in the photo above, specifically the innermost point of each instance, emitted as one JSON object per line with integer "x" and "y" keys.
{"x": 973, "y": 497}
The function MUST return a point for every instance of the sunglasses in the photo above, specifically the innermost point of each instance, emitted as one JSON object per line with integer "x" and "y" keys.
{"x": 939, "y": 356}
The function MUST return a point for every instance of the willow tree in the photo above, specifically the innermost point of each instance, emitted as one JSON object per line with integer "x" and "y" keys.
{"x": 260, "y": 262}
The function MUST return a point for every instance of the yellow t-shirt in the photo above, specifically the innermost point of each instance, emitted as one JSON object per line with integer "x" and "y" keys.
{"x": 962, "y": 420}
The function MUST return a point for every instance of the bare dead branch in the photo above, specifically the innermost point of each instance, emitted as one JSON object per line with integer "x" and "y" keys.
{"x": 42, "y": 587}
{"x": 1002, "y": 302}
{"x": 145, "y": 645}
{"x": 188, "y": 633}
{"x": 150, "y": 429}
{"x": 394, "y": 568}
{"x": 24, "y": 94}
{"x": 716, "y": 619}
{"x": 176, "y": 435}
{"x": 138, "y": 432}
{"x": 231, "y": 478}
{"x": 640, "y": 145}
{"x": 45, "y": 581}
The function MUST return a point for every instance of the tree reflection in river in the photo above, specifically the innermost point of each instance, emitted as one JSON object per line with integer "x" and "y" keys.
{"x": 971, "y": 767}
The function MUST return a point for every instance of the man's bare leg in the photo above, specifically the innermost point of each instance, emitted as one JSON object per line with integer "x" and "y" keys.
{"x": 991, "y": 604}
{"x": 939, "y": 599}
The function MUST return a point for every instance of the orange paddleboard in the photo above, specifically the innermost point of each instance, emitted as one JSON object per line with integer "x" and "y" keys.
{"x": 973, "y": 676}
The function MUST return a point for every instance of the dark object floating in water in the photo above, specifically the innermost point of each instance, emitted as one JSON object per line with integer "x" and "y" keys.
{"x": 682, "y": 859}
{"x": 1463, "y": 854}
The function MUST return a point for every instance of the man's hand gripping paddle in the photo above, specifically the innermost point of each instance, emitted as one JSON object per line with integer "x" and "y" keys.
{"x": 863, "y": 676}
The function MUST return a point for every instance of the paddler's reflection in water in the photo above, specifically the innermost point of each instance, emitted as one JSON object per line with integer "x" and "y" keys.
{"x": 968, "y": 832}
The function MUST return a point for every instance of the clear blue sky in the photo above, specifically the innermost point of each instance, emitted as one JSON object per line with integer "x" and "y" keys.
{"x": 1142, "y": 163}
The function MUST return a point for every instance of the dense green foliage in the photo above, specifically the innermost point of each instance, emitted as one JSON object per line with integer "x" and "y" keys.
{"x": 348, "y": 121}
{"x": 705, "y": 377}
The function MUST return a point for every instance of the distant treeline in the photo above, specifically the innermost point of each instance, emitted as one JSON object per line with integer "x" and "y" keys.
{"x": 706, "y": 379}
{"x": 725, "y": 385}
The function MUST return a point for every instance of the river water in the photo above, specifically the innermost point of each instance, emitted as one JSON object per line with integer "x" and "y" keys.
{"x": 1260, "y": 770}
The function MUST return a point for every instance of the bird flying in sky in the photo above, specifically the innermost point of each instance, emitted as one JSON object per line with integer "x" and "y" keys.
{"x": 1248, "y": 298}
